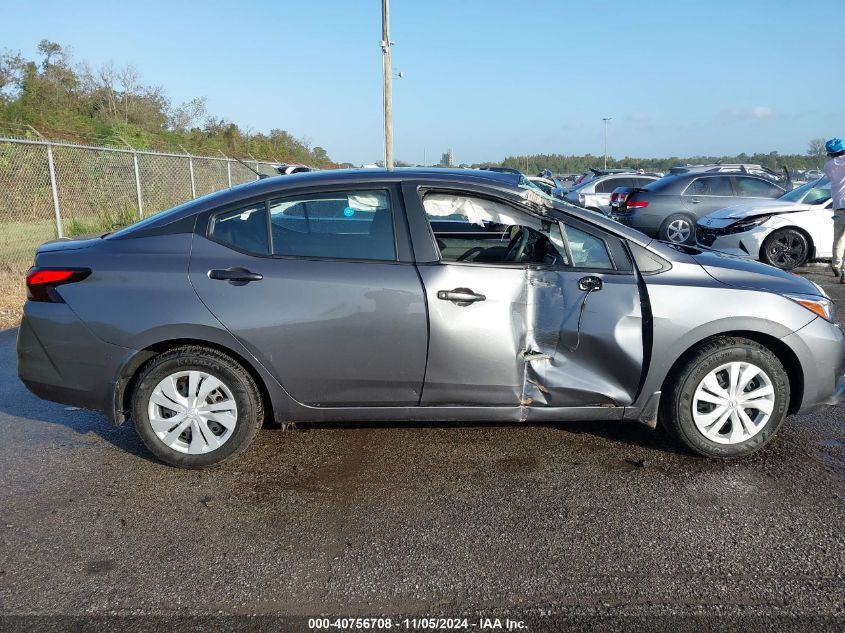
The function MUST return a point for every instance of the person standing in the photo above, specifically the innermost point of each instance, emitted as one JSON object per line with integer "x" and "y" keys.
{"x": 834, "y": 169}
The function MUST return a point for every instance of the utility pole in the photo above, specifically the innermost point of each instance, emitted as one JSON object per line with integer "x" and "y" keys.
{"x": 387, "y": 71}
{"x": 605, "y": 119}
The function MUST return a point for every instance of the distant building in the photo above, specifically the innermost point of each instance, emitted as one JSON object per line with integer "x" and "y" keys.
{"x": 447, "y": 159}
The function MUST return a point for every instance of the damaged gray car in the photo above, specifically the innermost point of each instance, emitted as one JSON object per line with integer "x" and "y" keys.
{"x": 415, "y": 295}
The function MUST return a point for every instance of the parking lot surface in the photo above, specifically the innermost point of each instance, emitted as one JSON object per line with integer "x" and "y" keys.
{"x": 600, "y": 519}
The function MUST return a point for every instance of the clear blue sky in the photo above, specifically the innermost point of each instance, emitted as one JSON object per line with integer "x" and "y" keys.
{"x": 485, "y": 77}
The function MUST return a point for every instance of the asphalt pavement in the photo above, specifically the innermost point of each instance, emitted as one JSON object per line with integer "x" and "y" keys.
{"x": 597, "y": 525}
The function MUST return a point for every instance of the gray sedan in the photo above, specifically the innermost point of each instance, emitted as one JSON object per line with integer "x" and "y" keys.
{"x": 670, "y": 207}
{"x": 416, "y": 295}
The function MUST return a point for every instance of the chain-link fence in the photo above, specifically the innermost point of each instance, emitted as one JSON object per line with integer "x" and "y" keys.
{"x": 56, "y": 189}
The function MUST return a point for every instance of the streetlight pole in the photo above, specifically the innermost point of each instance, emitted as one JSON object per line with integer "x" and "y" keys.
{"x": 605, "y": 119}
{"x": 387, "y": 71}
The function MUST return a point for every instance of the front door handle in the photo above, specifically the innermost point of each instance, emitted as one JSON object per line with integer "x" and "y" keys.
{"x": 235, "y": 275}
{"x": 695, "y": 200}
{"x": 460, "y": 296}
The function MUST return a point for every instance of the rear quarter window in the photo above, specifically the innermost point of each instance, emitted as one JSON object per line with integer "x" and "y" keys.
{"x": 244, "y": 229}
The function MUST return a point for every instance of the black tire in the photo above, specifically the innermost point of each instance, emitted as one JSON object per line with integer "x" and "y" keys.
{"x": 785, "y": 249}
{"x": 675, "y": 221}
{"x": 250, "y": 410}
{"x": 676, "y": 413}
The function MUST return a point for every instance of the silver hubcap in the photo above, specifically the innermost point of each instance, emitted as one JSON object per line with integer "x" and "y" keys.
{"x": 193, "y": 412}
{"x": 733, "y": 403}
{"x": 678, "y": 231}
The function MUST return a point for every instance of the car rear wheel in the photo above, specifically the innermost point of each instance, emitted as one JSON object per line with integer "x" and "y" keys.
{"x": 678, "y": 229}
{"x": 786, "y": 249}
{"x": 195, "y": 407}
{"x": 728, "y": 399}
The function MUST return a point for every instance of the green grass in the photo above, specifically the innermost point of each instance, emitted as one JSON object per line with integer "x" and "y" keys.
{"x": 18, "y": 240}
{"x": 103, "y": 222}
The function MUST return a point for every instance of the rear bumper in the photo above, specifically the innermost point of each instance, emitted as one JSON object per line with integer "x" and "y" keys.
{"x": 59, "y": 359}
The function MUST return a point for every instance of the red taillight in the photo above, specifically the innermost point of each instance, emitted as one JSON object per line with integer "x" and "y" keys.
{"x": 614, "y": 196}
{"x": 636, "y": 204}
{"x": 40, "y": 282}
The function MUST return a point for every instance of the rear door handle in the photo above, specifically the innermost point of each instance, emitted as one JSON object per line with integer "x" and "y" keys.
{"x": 236, "y": 275}
{"x": 460, "y": 296}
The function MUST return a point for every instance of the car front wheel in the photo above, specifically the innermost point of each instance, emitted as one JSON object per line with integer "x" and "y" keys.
{"x": 786, "y": 249}
{"x": 195, "y": 407}
{"x": 728, "y": 399}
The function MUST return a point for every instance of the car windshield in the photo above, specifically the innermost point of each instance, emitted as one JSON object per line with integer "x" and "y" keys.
{"x": 817, "y": 192}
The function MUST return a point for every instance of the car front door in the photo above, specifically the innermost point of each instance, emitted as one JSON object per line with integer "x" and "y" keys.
{"x": 753, "y": 187}
{"x": 321, "y": 288}
{"x": 819, "y": 223}
{"x": 547, "y": 314}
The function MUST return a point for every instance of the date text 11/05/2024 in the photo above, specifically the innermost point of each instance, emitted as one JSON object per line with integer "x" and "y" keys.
{"x": 421, "y": 624}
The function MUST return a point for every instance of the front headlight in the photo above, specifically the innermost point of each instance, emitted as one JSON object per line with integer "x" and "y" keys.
{"x": 747, "y": 225}
{"x": 821, "y": 306}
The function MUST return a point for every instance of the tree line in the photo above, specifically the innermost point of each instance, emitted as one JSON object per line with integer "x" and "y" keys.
{"x": 110, "y": 104}
{"x": 560, "y": 164}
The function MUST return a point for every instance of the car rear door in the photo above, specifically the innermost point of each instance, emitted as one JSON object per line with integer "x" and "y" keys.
{"x": 708, "y": 193}
{"x": 320, "y": 286}
{"x": 564, "y": 330}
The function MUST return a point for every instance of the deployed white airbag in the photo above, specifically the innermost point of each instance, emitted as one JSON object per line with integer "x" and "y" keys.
{"x": 477, "y": 210}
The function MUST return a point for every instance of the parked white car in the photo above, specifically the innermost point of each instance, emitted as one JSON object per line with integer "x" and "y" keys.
{"x": 785, "y": 232}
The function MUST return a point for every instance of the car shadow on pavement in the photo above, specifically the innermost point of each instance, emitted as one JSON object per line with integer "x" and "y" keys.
{"x": 605, "y": 434}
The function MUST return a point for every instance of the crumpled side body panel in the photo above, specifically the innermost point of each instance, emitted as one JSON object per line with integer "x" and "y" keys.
{"x": 529, "y": 343}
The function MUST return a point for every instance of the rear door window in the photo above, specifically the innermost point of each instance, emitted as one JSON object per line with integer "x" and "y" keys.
{"x": 710, "y": 186}
{"x": 340, "y": 225}
{"x": 606, "y": 186}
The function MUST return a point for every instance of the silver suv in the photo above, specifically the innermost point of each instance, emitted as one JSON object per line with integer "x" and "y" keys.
{"x": 594, "y": 194}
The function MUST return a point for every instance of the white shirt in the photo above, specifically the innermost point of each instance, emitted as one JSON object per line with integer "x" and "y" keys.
{"x": 834, "y": 169}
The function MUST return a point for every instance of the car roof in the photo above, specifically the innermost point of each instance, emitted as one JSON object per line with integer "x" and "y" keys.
{"x": 504, "y": 182}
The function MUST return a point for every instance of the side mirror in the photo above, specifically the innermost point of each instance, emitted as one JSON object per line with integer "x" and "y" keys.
{"x": 590, "y": 283}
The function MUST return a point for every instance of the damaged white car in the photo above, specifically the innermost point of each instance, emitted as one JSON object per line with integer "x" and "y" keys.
{"x": 786, "y": 232}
